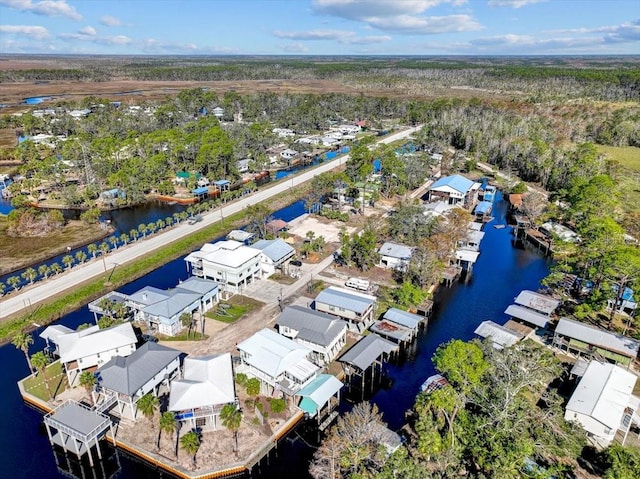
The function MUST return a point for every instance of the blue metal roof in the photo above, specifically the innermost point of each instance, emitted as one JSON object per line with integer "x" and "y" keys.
{"x": 200, "y": 191}
{"x": 483, "y": 207}
{"x": 457, "y": 182}
{"x": 221, "y": 182}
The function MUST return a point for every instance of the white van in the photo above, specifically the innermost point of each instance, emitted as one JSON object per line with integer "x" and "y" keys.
{"x": 357, "y": 283}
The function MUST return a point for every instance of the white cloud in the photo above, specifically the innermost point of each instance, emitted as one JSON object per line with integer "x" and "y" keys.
{"x": 529, "y": 44}
{"x": 513, "y": 3}
{"x": 31, "y": 31}
{"x": 626, "y": 32}
{"x": 110, "y": 21}
{"x": 340, "y": 36}
{"x": 88, "y": 30}
{"x": 402, "y": 17}
{"x": 295, "y": 48}
{"x": 48, "y": 8}
{"x": 85, "y": 35}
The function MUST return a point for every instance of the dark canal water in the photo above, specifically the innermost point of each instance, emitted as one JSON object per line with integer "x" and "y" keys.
{"x": 499, "y": 275}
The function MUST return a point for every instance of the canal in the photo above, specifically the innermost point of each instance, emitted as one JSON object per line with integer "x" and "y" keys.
{"x": 499, "y": 275}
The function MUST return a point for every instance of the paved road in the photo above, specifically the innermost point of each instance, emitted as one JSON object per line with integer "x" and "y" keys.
{"x": 27, "y": 299}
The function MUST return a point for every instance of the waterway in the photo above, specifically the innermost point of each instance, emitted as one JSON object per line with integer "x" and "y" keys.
{"x": 501, "y": 272}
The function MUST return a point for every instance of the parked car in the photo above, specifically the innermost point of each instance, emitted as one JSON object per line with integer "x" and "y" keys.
{"x": 149, "y": 338}
{"x": 295, "y": 262}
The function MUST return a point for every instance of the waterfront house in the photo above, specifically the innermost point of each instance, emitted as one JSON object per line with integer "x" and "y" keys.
{"x": 358, "y": 309}
{"x": 205, "y": 388}
{"x": 626, "y": 303}
{"x": 51, "y": 334}
{"x": 230, "y": 263}
{"x": 500, "y": 336}
{"x": 533, "y": 308}
{"x": 275, "y": 253}
{"x": 288, "y": 155}
{"x": 603, "y": 403}
{"x": 124, "y": 380}
{"x": 276, "y": 226}
{"x": 242, "y": 236}
{"x": 455, "y": 190}
{"x": 585, "y": 340}
{"x": 324, "y": 334}
{"x": 471, "y": 240}
{"x": 395, "y": 256}
{"x": 89, "y": 348}
{"x": 404, "y": 318}
{"x": 323, "y": 391}
{"x": 218, "y": 112}
{"x": 161, "y": 309}
{"x": 562, "y": 232}
{"x": 436, "y": 209}
{"x": 280, "y": 363}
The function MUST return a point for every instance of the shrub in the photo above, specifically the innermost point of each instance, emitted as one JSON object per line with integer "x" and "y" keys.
{"x": 241, "y": 379}
{"x": 253, "y": 386}
{"x": 278, "y": 405}
{"x": 249, "y": 403}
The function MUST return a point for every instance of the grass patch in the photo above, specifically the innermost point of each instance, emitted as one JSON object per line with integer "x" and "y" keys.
{"x": 58, "y": 383}
{"x": 627, "y": 156}
{"x": 232, "y": 310}
{"x": 194, "y": 336}
{"x": 282, "y": 278}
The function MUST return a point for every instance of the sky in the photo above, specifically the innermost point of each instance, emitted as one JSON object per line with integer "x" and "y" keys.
{"x": 321, "y": 27}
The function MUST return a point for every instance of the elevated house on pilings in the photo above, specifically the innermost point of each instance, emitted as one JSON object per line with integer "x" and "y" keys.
{"x": 357, "y": 309}
{"x": 76, "y": 428}
{"x": 533, "y": 308}
{"x": 364, "y": 359}
{"x": 320, "y": 397}
{"x": 124, "y": 380}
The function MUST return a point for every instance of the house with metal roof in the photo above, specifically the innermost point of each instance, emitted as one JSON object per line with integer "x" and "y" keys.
{"x": 499, "y": 336}
{"x": 625, "y": 304}
{"x": 404, "y": 318}
{"x": 533, "y": 308}
{"x": 455, "y": 190}
{"x": 585, "y": 340}
{"x": 92, "y": 347}
{"x": 230, "y": 263}
{"x": 436, "y": 209}
{"x": 395, "y": 255}
{"x": 603, "y": 403}
{"x": 472, "y": 239}
{"x": 242, "y": 236}
{"x": 124, "y": 380}
{"x": 161, "y": 309}
{"x": 206, "y": 386}
{"x": 275, "y": 253}
{"x": 280, "y": 363}
{"x": 323, "y": 333}
{"x": 323, "y": 391}
{"x": 50, "y": 335}
{"x": 358, "y": 309}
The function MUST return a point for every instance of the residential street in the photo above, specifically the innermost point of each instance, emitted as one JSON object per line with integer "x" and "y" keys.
{"x": 28, "y": 298}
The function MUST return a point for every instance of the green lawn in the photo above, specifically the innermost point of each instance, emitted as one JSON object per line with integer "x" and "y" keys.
{"x": 629, "y": 178}
{"x": 627, "y": 156}
{"x": 57, "y": 382}
{"x": 234, "y": 309}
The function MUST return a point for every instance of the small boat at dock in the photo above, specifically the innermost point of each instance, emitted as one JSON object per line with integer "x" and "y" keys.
{"x": 433, "y": 383}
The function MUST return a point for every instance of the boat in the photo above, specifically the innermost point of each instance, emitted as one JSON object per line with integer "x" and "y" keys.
{"x": 433, "y": 383}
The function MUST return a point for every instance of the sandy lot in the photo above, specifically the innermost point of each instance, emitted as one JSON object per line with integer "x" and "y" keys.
{"x": 331, "y": 231}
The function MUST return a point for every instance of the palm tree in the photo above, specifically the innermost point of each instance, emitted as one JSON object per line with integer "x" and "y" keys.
{"x": 177, "y": 217}
{"x": 147, "y": 405}
{"x": 185, "y": 319}
{"x": 143, "y": 230}
{"x": 151, "y": 227}
{"x": 44, "y": 270}
{"x": 2, "y": 288}
{"x": 30, "y": 275}
{"x": 114, "y": 241}
{"x": 56, "y": 268}
{"x": 190, "y": 443}
{"x": 134, "y": 233}
{"x": 124, "y": 238}
{"x": 231, "y": 418}
{"x": 160, "y": 224}
{"x": 104, "y": 247}
{"x": 168, "y": 220}
{"x": 22, "y": 341}
{"x": 67, "y": 260}
{"x": 88, "y": 381}
{"x": 168, "y": 424}
{"x": 93, "y": 250}
{"x": 14, "y": 282}
{"x": 40, "y": 363}
{"x": 81, "y": 256}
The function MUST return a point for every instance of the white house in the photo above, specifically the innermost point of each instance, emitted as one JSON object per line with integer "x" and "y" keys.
{"x": 280, "y": 363}
{"x": 288, "y": 154}
{"x": 90, "y": 348}
{"x": 455, "y": 190}
{"x": 205, "y": 388}
{"x": 357, "y": 309}
{"x": 230, "y": 263}
{"x": 218, "y": 112}
{"x": 603, "y": 402}
{"x": 533, "y": 308}
{"x": 126, "y": 379}
{"x": 395, "y": 255}
{"x": 274, "y": 254}
{"x": 324, "y": 334}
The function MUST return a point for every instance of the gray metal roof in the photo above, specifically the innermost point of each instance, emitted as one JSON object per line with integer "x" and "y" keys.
{"x": 240, "y": 235}
{"x": 201, "y": 286}
{"x": 277, "y": 250}
{"x": 313, "y": 326}
{"x": 391, "y": 330}
{"x": 128, "y": 375}
{"x": 528, "y": 315}
{"x": 367, "y": 350}
{"x": 500, "y": 336}
{"x": 84, "y": 422}
{"x": 395, "y": 250}
{"x": 148, "y": 295}
{"x": 403, "y": 318}
{"x": 347, "y": 300}
{"x": 175, "y": 303}
{"x": 540, "y": 302}
{"x": 598, "y": 337}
